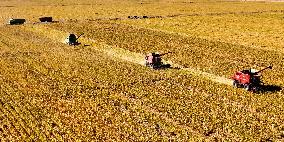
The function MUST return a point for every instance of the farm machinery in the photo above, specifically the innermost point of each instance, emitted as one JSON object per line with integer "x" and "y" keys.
{"x": 154, "y": 61}
{"x": 72, "y": 39}
{"x": 16, "y": 21}
{"x": 45, "y": 19}
{"x": 248, "y": 79}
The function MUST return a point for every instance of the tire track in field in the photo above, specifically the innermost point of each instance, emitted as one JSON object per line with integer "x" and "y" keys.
{"x": 126, "y": 55}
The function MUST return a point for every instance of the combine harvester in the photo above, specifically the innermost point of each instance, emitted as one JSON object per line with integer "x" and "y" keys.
{"x": 154, "y": 61}
{"x": 73, "y": 40}
{"x": 248, "y": 79}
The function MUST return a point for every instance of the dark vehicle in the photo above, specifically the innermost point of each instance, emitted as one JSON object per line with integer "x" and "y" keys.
{"x": 72, "y": 39}
{"x": 16, "y": 21}
{"x": 45, "y": 19}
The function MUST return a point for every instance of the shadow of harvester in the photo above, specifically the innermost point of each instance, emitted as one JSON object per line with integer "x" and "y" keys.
{"x": 165, "y": 66}
{"x": 269, "y": 89}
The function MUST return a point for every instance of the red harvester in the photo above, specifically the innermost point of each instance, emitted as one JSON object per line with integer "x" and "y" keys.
{"x": 248, "y": 79}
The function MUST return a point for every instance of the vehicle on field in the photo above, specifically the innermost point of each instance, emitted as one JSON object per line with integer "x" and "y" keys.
{"x": 72, "y": 39}
{"x": 16, "y": 21}
{"x": 154, "y": 61}
{"x": 249, "y": 79}
{"x": 45, "y": 19}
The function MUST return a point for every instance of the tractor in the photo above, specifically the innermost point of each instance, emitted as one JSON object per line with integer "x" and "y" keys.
{"x": 72, "y": 39}
{"x": 248, "y": 79}
{"x": 154, "y": 61}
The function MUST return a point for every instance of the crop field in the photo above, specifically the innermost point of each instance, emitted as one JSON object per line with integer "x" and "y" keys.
{"x": 101, "y": 90}
{"x": 249, "y": 29}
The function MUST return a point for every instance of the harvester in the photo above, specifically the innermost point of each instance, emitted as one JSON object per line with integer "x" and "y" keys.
{"x": 73, "y": 40}
{"x": 248, "y": 79}
{"x": 154, "y": 61}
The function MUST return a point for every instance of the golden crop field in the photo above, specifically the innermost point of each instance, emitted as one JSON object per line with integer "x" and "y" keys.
{"x": 101, "y": 90}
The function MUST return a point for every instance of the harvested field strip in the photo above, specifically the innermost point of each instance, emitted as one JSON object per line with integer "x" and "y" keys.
{"x": 218, "y": 58}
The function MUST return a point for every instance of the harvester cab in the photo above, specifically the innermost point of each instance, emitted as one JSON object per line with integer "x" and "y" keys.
{"x": 248, "y": 79}
{"x": 72, "y": 39}
{"x": 154, "y": 60}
